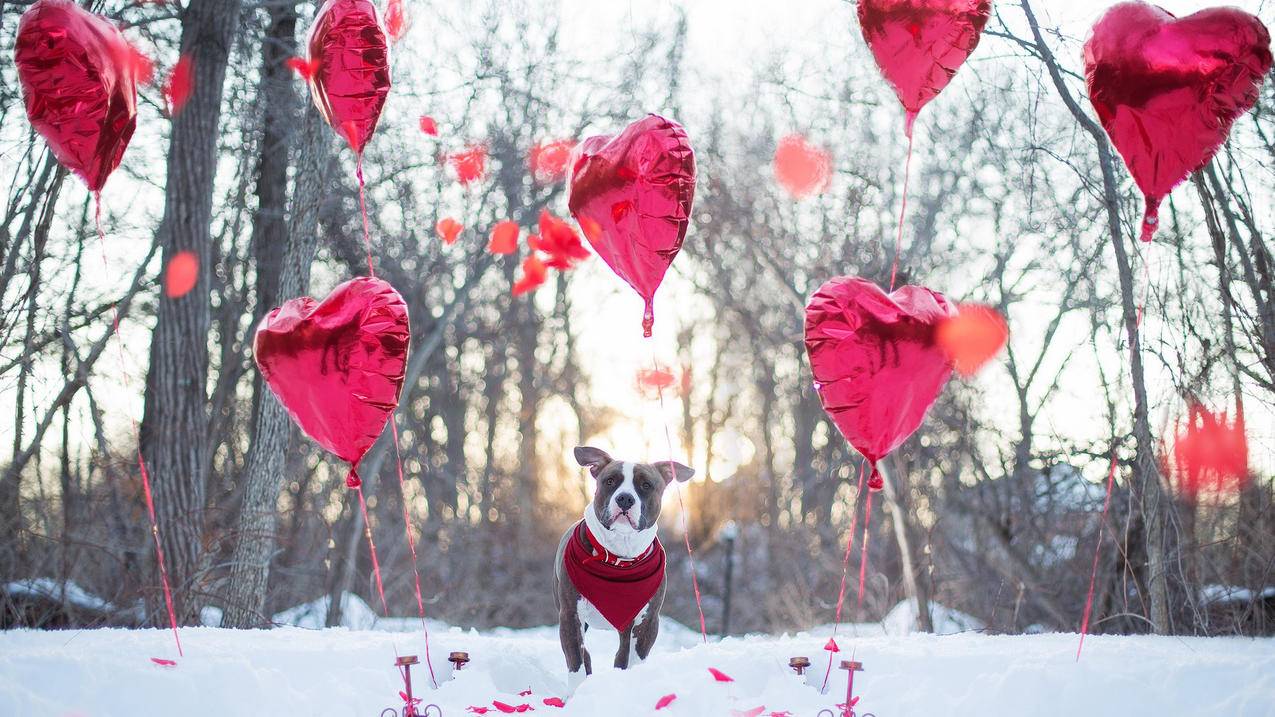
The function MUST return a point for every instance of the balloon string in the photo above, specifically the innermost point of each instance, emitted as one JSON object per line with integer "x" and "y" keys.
{"x": 1146, "y": 283}
{"x": 411, "y": 546}
{"x": 376, "y": 564}
{"x": 863, "y": 555}
{"x": 1093, "y": 574}
{"x": 137, "y": 436}
{"x": 898, "y": 239}
{"x": 367, "y": 232}
{"x": 681, "y": 507}
{"x": 845, "y": 565}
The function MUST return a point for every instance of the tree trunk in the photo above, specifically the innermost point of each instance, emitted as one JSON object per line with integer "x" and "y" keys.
{"x": 174, "y": 433}
{"x": 283, "y": 254}
{"x": 917, "y": 586}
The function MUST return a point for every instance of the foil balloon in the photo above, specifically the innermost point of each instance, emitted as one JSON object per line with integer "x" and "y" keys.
{"x": 1167, "y": 90}
{"x": 920, "y": 44}
{"x": 876, "y": 363}
{"x": 632, "y": 196}
{"x": 350, "y": 59}
{"x": 80, "y": 86}
{"x": 337, "y": 365}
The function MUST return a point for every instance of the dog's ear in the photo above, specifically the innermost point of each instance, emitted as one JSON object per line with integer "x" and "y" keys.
{"x": 674, "y": 471}
{"x": 595, "y": 458}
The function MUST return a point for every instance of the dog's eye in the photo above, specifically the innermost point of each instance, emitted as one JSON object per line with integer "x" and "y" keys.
{"x": 611, "y": 481}
{"x": 646, "y": 485}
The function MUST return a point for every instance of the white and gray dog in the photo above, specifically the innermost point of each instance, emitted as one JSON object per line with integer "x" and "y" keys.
{"x": 609, "y": 570}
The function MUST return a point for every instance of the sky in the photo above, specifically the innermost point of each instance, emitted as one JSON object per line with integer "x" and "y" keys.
{"x": 725, "y": 37}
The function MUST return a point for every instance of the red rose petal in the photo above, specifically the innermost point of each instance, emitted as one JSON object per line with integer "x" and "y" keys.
{"x": 395, "y": 19}
{"x": 800, "y": 167}
{"x": 163, "y": 663}
{"x": 533, "y": 275}
{"x": 504, "y": 238}
{"x": 448, "y": 229}
{"x": 665, "y": 701}
{"x": 554, "y": 702}
{"x": 972, "y": 337}
{"x": 429, "y": 126}
{"x": 303, "y": 67}
{"x": 1211, "y": 452}
{"x": 180, "y": 84}
{"x": 831, "y": 646}
{"x": 719, "y": 675}
{"x": 470, "y": 164}
{"x": 142, "y": 67}
{"x": 181, "y": 274}
{"x": 655, "y": 378}
{"x": 548, "y": 160}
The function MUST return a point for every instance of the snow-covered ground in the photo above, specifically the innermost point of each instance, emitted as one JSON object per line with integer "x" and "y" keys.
{"x": 298, "y": 671}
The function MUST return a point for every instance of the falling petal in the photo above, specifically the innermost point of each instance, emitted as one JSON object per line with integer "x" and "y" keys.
{"x": 800, "y": 167}
{"x": 548, "y": 160}
{"x": 180, "y": 85}
{"x": 554, "y": 702}
{"x": 504, "y": 238}
{"x": 559, "y": 241}
{"x": 533, "y": 275}
{"x": 181, "y": 274}
{"x": 665, "y": 701}
{"x": 470, "y": 164}
{"x": 304, "y": 68}
{"x": 973, "y": 337}
{"x": 1211, "y": 452}
{"x": 653, "y": 380}
{"x": 395, "y": 19}
{"x": 448, "y": 229}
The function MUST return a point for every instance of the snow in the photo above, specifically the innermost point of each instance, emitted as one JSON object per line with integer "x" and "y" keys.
{"x": 1233, "y": 594}
{"x": 59, "y": 591}
{"x": 901, "y": 620}
{"x": 355, "y": 614}
{"x": 291, "y": 670}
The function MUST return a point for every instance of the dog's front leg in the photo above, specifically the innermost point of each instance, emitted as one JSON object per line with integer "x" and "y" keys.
{"x": 572, "y": 638}
{"x": 626, "y": 648}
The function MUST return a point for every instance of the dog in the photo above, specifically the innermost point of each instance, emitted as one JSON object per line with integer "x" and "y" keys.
{"x": 609, "y": 571}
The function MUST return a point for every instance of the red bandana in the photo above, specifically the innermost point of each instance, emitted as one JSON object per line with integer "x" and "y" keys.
{"x": 618, "y": 587}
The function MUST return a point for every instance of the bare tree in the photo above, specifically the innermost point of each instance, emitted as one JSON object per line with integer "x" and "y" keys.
{"x": 174, "y": 431}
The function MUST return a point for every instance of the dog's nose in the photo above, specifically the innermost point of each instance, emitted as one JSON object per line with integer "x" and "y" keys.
{"x": 625, "y": 501}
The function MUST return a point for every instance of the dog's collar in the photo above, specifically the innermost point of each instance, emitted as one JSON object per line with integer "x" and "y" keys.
{"x": 602, "y": 555}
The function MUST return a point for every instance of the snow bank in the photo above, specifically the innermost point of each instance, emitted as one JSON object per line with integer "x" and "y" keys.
{"x": 901, "y": 620}
{"x": 1233, "y": 593}
{"x": 58, "y": 591}
{"x": 100, "y": 673}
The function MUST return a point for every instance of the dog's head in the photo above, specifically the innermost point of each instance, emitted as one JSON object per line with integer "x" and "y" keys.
{"x": 628, "y": 494}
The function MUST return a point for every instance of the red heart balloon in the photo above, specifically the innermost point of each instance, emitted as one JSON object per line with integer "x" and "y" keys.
{"x": 80, "y": 86}
{"x": 350, "y": 52}
{"x": 920, "y": 44}
{"x": 876, "y": 363}
{"x": 1167, "y": 90}
{"x": 632, "y": 196}
{"x": 338, "y": 365}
